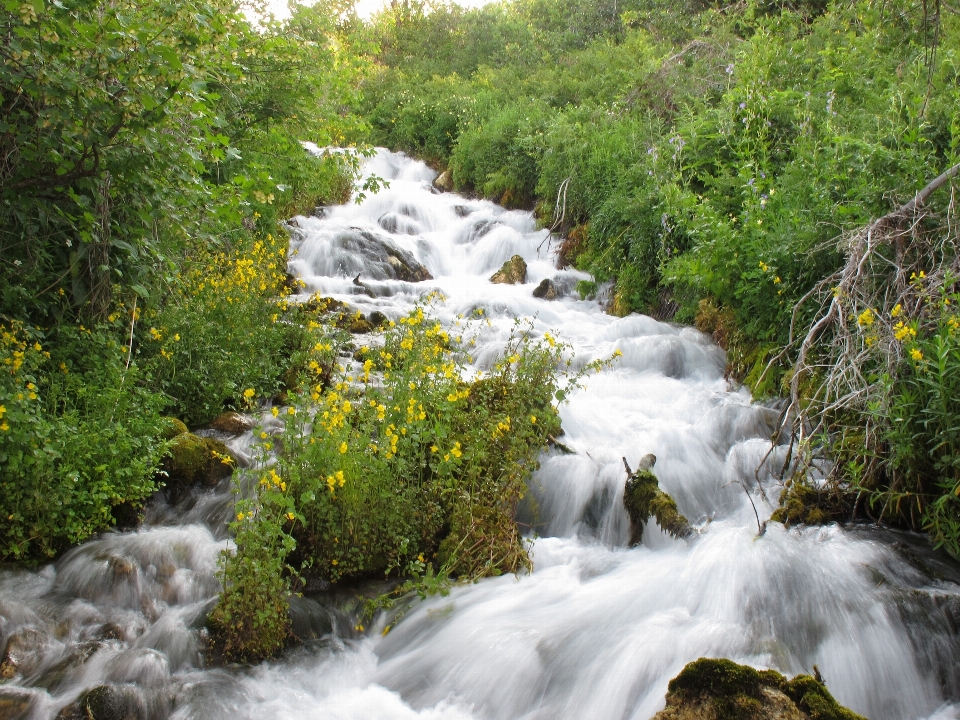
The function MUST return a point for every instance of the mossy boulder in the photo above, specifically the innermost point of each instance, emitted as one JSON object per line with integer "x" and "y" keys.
{"x": 720, "y": 689}
{"x": 513, "y": 272}
{"x": 801, "y": 503}
{"x": 195, "y": 460}
{"x": 643, "y": 498}
{"x": 172, "y": 428}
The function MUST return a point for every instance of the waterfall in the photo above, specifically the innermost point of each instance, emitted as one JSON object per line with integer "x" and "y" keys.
{"x": 598, "y": 629}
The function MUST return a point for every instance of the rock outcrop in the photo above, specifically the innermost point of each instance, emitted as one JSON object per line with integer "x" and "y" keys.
{"x": 718, "y": 689}
{"x": 513, "y": 272}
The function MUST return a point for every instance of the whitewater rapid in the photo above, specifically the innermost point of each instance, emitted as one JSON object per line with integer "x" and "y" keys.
{"x": 598, "y": 629}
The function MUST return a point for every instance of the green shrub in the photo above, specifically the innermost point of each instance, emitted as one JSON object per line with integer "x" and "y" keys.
{"x": 398, "y": 467}
{"x": 79, "y": 436}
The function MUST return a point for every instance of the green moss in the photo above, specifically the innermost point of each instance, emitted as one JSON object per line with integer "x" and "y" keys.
{"x": 173, "y": 428}
{"x": 735, "y": 691}
{"x": 815, "y": 700}
{"x": 195, "y": 460}
{"x": 512, "y": 272}
{"x": 642, "y": 497}
{"x": 800, "y": 504}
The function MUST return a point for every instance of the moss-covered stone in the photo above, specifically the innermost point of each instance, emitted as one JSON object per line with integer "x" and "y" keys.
{"x": 720, "y": 689}
{"x": 642, "y": 497}
{"x": 172, "y": 428}
{"x": 815, "y": 701}
{"x": 513, "y": 272}
{"x": 196, "y": 460}
{"x": 802, "y": 504}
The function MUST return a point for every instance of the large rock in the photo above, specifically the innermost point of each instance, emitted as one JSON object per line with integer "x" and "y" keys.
{"x": 172, "y": 428}
{"x": 196, "y": 460}
{"x": 642, "y": 497}
{"x": 106, "y": 702}
{"x": 360, "y": 251}
{"x": 23, "y": 654}
{"x": 15, "y": 703}
{"x": 232, "y": 422}
{"x": 444, "y": 181}
{"x": 718, "y": 689}
{"x": 514, "y": 271}
{"x": 546, "y": 290}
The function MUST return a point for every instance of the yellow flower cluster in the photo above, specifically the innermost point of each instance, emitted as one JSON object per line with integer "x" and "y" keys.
{"x": 501, "y": 429}
{"x": 272, "y": 479}
{"x": 902, "y": 331}
{"x": 334, "y": 480}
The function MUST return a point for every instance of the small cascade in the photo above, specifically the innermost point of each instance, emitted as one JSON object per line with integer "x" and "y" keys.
{"x": 598, "y": 629}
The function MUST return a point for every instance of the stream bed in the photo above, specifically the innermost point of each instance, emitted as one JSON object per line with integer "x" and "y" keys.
{"x": 598, "y": 629}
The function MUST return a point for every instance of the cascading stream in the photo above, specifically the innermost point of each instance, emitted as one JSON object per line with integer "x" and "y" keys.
{"x": 597, "y": 630}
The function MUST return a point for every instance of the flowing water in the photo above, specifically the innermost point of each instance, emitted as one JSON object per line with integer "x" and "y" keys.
{"x": 598, "y": 629}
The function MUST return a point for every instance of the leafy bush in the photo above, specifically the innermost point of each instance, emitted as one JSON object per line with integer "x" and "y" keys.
{"x": 79, "y": 436}
{"x": 399, "y": 465}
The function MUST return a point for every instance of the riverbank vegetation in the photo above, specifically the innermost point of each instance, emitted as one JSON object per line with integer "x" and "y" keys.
{"x": 148, "y": 150}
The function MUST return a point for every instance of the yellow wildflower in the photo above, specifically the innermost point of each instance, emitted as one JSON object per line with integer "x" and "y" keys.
{"x": 916, "y": 354}
{"x": 343, "y": 448}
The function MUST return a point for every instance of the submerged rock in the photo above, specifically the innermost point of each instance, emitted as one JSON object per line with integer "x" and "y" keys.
{"x": 195, "y": 460}
{"x": 719, "y": 689}
{"x": 546, "y": 290}
{"x": 232, "y": 422}
{"x": 642, "y": 497}
{"x": 512, "y": 272}
{"x": 15, "y": 703}
{"x": 105, "y": 702}
{"x": 23, "y": 654}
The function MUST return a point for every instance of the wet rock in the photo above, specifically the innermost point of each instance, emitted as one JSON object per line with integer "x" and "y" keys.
{"x": 23, "y": 653}
{"x": 173, "y": 428}
{"x": 719, "y": 689}
{"x": 105, "y": 702}
{"x": 546, "y": 290}
{"x": 195, "y": 460}
{"x": 15, "y": 703}
{"x": 444, "y": 181}
{"x": 512, "y": 272}
{"x": 357, "y": 324}
{"x": 232, "y": 422}
{"x": 462, "y": 210}
{"x": 319, "y": 304}
{"x": 642, "y": 498}
{"x": 381, "y": 259}
{"x": 378, "y": 319}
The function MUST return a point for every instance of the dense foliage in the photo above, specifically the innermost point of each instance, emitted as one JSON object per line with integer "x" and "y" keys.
{"x": 708, "y": 162}
{"x": 396, "y": 466}
{"x": 147, "y": 151}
